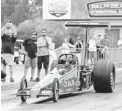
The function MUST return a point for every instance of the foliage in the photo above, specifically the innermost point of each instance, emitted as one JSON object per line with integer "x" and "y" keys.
{"x": 15, "y": 10}
{"x": 76, "y": 32}
{"x": 27, "y": 17}
{"x": 55, "y": 30}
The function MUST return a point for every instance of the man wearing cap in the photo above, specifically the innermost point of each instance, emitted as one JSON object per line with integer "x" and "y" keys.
{"x": 8, "y": 36}
{"x": 30, "y": 49}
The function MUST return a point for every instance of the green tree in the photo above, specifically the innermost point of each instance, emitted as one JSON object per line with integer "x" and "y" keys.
{"x": 15, "y": 10}
{"x": 24, "y": 29}
{"x": 76, "y": 32}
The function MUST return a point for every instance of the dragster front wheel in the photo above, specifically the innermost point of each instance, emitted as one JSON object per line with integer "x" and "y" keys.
{"x": 55, "y": 90}
{"x": 23, "y": 87}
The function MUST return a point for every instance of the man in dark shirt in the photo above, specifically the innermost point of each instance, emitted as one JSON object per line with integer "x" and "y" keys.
{"x": 105, "y": 42}
{"x": 79, "y": 45}
{"x": 8, "y": 36}
{"x": 31, "y": 54}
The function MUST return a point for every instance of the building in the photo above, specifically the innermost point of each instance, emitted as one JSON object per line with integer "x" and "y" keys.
{"x": 109, "y": 11}
{"x": 114, "y": 33}
{"x": 101, "y": 11}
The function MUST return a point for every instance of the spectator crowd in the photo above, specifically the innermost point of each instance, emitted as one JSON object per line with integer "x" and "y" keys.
{"x": 39, "y": 50}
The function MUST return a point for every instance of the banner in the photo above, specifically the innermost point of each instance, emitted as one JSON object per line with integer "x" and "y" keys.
{"x": 56, "y": 9}
{"x": 105, "y": 9}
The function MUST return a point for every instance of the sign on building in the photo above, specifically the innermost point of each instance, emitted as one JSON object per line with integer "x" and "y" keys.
{"x": 56, "y": 9}
{"x": 105, "y": 9}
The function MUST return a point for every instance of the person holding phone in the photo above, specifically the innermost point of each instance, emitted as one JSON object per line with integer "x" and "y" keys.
{"x": 8, "y": 38}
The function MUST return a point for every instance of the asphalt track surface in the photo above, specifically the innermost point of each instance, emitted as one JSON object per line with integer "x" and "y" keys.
{"x": 86, "y": 100}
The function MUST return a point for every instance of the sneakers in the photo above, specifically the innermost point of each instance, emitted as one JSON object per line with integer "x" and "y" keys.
{"x": 37, "y": 79}
{"x": 31, "y": 79}
{"x": 4, "y": 80}
{"x": 11, "y": 79}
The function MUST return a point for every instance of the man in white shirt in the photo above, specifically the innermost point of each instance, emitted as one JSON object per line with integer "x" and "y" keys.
{"x": 92, "y": 49}
{"x": 43, "y": 43}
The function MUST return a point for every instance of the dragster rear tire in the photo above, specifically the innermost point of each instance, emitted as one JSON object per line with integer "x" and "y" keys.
{"x": 23, "y": 86}
{"x": 104, "y": 76}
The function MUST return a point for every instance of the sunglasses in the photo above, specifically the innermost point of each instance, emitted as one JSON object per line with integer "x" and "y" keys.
{"x": 34, "y": 34}
{"x": 8, "y": 28}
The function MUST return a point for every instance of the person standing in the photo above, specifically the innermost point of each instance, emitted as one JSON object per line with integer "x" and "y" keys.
{"x": 30, "y": 54}
{"x": 92, "y": 49}
{"x": 98, "y": 40}
{"x": 71, "y": 40}
{"x": 52, "y": 56}
{"x": 79, "y": 49}
{"x": 104, "y": 43}
{"x": 8, "y": 36}
{"x": 43, "y": 43}
{"x": 79, "y": 45}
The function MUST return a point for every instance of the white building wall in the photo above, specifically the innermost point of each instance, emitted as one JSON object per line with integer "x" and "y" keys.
{"x": 102, "y": 30}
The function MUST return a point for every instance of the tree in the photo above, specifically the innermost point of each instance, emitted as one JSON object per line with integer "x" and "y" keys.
{"x": 76, "y": 32}
{"x": 55, "y": 29}
{"x": 24, "y": 29}
{"x": 15, "y": 10}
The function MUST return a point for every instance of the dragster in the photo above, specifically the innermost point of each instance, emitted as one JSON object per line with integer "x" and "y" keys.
{"x": 71, "y": 73}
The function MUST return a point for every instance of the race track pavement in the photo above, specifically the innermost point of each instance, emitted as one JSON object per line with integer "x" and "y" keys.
{"x": 86, "y": 100}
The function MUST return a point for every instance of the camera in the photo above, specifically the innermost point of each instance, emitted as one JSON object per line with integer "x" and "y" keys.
{"x": 10, "y": 21}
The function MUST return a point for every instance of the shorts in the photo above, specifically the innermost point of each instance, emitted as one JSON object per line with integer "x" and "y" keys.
{"x": 30, "y": 62}
{"x": 92, "y": 54}
{"x": 9, "y": 58}
{"x": 44, "y": 60}
{"x": 3, "y": 74}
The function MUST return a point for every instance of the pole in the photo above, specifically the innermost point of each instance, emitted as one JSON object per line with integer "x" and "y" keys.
{"x": 84, "y": 53}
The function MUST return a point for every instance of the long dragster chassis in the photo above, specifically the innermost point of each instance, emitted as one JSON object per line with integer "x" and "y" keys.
{"x": 70, "y": 78}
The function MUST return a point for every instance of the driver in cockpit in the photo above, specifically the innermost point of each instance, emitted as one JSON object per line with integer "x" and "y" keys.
{"x": 67, "y": 64}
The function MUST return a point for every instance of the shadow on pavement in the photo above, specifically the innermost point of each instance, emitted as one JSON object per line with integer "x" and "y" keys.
{"x": 64, "y": 97}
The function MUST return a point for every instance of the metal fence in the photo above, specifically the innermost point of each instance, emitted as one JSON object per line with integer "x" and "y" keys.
{"x": 113, "y": 54}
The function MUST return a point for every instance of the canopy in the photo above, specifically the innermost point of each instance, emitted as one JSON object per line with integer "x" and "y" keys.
{"x": 87, "y": 24}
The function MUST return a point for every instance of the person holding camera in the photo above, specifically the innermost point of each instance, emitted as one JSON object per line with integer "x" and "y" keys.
{"x": 8, "y": 37}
